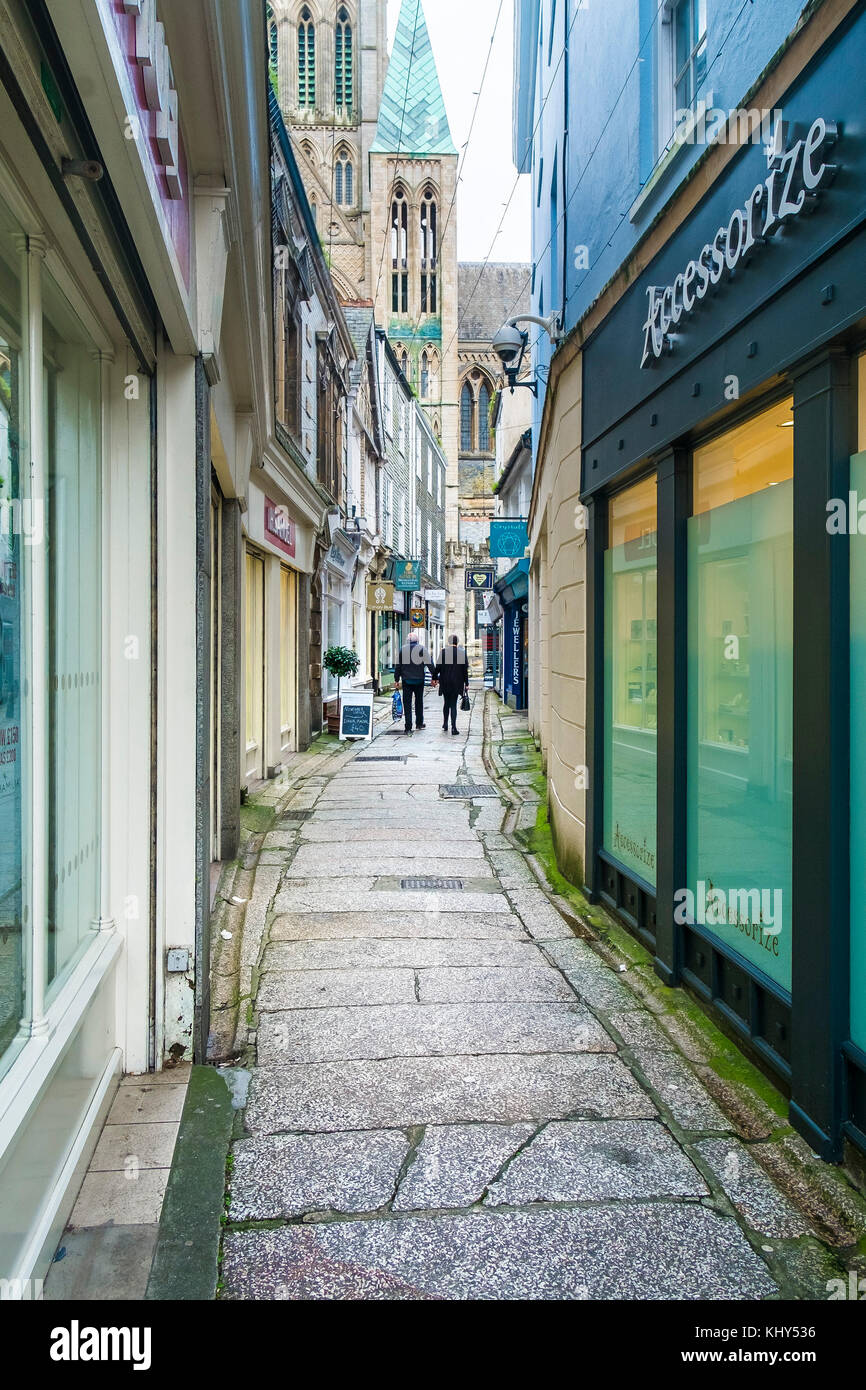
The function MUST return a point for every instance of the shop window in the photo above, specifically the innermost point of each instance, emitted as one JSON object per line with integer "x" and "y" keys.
{"x": 255, "y": 664}
{"x": 857, "y": 552}
{"x": 13, "y": 748}
{"x": 630, "y": 706}
{"x": 287, "y": 653}
{"x": 73, "y": 524}
{"x": 740, "y": 689}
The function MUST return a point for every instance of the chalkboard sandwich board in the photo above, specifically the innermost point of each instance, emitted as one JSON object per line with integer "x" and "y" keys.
{"x": 356, "y": 716}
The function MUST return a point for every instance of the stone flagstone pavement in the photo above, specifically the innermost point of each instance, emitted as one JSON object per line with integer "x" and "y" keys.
{"x": 452, "y": 1095}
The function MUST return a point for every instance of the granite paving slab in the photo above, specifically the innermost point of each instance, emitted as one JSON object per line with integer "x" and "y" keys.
{"x": 427, "y": 1030}
{"x": 365, "y": 836}
{"x": 442, "y": 1090}
{"x": 422, "y": 953}
{"x": 681, "y": 1091}
{"x": 591, "y": 1160}
{"x": 315, "y": 989}
{"x": 539, "y": 915}
{"x": 512, "y": 982}
{"x": 454, "y": 1164}
{"x": 332, "y": 926}
{"x": 751, "y": 1190}
{"x": 594, "y": 981}
{"x": 286, "y": 1175}
{"x": 624, "y": 1252}
{"x": 336, "y": 895}
{"x": 397, "y": 865}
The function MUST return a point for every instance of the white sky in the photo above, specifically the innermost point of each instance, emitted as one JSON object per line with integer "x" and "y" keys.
{"x": 488, "y": 174}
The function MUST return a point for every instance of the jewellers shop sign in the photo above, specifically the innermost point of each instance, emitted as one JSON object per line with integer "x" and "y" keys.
{"x": 798, "y": 172}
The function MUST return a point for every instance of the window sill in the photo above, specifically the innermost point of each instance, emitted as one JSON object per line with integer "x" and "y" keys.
{"x": 661, "y": 175}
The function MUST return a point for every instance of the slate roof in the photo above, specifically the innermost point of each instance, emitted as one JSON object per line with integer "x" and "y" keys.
{"x": 412, "y": 118}
{"x": 503, "y": 291}
{"x": 359, "y": 318}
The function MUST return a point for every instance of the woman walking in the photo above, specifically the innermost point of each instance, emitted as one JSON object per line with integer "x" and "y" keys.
{"x": 452, "y": 673}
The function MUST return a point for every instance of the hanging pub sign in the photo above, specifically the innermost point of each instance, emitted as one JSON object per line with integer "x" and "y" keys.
{"x": 479, "y": 578}
{"x": 279, "y": 527}
{"x": 418, "y": 617}
{"x": 407, "y": 575}
{"x": 508, "y": 539}
{"x": 380, "y": 597}
{"x": 798, "y": 173}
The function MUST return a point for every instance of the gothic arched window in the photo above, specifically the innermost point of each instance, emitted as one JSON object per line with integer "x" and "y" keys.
{"x": 429, "y": 251}
{"x": 343, "y": 60}
{"x": 484, "y": 418}
{"x": 399, "y": 252}
{"x": 306, "y": 59}
{"x": 467, "y": 411}
{"x": 404, "y": 364}
{"x": 425, "y": 376}
{"x": 273, "y": 42}
{"x": 344, "y": 179}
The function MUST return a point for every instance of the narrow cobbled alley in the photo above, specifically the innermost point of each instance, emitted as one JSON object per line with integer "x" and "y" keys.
{"x": 459, "y": 1090}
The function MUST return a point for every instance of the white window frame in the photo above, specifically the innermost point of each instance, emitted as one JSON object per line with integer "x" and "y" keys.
{"x": 666, "y": 105}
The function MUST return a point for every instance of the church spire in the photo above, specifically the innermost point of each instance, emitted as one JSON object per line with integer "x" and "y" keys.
{"x": 412, "y": 116}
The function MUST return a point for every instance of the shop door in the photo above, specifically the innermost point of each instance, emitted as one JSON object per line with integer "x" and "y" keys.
{"x": 255, "y": 666}
{"x": 215, "y": 661}
{"x": 288, "y": 659}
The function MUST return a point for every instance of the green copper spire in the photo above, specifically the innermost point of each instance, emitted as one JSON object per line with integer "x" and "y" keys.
{"x": 412, "y": 117}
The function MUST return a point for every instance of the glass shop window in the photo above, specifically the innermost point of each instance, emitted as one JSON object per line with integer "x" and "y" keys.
{"x": 857, "y": 554}
{"x": 740, "y": 689}
{"x": 630, "y": 672}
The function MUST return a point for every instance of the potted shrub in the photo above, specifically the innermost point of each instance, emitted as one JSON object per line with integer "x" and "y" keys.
{"x": 339, "y": 662}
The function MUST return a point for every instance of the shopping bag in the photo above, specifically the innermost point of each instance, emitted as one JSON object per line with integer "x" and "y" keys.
{"x": 464, "y": 703}
{"x": 397, "y": 705}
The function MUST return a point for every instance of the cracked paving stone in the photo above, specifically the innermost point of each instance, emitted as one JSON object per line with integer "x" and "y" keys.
{"x": 316, "y": 989}
{"x": 287, "y": 1175}
{"x": 422, "y": 953}
{"x": 403, "y": 1091}
{"x": 641, "y": 1030}
{"x": 751, "y": 1190}
{"x": 454, "y": 1164}
{"x": 404, "y": 924}
{"x": 681, "y": 1091}
{"x": 512, "y": 984}
{"x": 540, "y": 917}
{"x": 411, "y": 840}
{"x": 594, "y": 981}
{"x": 645, "y": 1251}
{"x": 588, "y": 1160}
{"x": 427, "y": 1030}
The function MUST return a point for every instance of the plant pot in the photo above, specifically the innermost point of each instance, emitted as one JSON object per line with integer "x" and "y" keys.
{"x": 332, "y": 715}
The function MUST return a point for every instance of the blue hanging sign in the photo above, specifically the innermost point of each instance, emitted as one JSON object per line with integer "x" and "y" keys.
{"x": 479, "y": 578}
{"x": 508, "y": 539}
{"x": 407, "y": 575}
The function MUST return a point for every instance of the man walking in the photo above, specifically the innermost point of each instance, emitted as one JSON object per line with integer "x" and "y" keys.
{"x": 409, "y": 669}
{"x": 452, "y": 674}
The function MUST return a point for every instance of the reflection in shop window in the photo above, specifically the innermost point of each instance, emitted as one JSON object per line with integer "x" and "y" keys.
{"x": 740, "y": 681}
{"x": 12, "y": 746}
{"x": 631, "y": 678}
{"x": 857, "y": 543}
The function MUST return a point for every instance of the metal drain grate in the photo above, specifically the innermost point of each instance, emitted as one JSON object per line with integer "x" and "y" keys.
{"x": 381, "y": 758}
{"x": 439, "y": 885}
{"x": 295, "y": 815}
{"x": 467, "y": 789}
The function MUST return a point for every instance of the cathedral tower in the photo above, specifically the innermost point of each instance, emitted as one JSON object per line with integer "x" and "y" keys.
{"x": 413, "y": 232}
{"x": 328, "y": 59}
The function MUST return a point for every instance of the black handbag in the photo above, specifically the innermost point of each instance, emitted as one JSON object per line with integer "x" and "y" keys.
{"x": 464, "y": 703}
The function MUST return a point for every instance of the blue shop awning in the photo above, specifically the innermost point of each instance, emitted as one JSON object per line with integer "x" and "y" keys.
{"x": 514, "y": 585}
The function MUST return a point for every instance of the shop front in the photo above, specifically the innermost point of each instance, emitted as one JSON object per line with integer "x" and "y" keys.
{"x": 721, "y": 472}
{"x": 512, "y": 591}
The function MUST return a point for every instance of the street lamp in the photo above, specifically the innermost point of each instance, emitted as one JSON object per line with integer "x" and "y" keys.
{"x": 510, "y": 345}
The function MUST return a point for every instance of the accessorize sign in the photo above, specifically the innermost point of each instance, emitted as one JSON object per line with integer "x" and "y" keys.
{"x": 798, "y": 173}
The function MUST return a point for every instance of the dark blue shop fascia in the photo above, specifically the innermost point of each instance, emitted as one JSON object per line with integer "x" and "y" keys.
{"x": 513, "y": 590}
{"x": 787, "y": 322}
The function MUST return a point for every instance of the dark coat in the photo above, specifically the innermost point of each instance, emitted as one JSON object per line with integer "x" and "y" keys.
{"x": 452, "y": 671}
{"x": 409, "y": 667}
